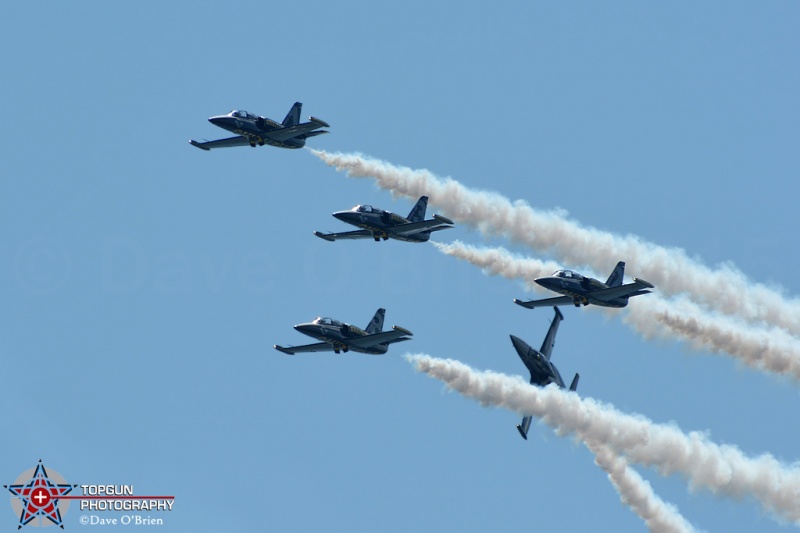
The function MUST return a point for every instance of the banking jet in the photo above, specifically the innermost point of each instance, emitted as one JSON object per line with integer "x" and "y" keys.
{"x": 543, "y": 372}
{"x": 253, "y": 130}
{"x": 341, "y": 337}
{"x": 379, "y": 224}
{"x": 582, "y": 290}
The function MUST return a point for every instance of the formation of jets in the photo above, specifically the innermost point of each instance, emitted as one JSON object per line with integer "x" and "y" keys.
{"x": 378, "y": 224}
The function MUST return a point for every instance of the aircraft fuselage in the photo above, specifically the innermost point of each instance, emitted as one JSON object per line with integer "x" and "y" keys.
{"x": 543, "y": 372}
{"x": 338, "y": 335}
{"x": 380, "y": 223}
{"x": 256, "y": 130}
{"x": 580, "y": 290}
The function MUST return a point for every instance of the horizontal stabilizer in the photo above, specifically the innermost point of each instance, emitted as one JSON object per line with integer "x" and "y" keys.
{"x": 404, "y": 331}
{"x": 574, "y": 386}
{"x": 639, "y": 293}
{"x": 320, "y": 122}
{"x": 440, "y": 218}
{"x": 643, "y": 283}
{"x": 524, "y": 436}
{"x": 392, "y": 341}
{"x": 438, "y": 228}
{"x": 312, "y": 134}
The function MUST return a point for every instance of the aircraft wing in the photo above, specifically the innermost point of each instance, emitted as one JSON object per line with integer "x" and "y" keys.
{"x": 630, "y": 289}
{"x": 317, "y": 347}
{"x": 416, "y": 227}
{"x": 395, "y": 335}
{"x": 221, "y": 143}
{"x": 547, "y": 302}
{"x": 359, "y": 234}
{"x": 293, "y": 131}
{"x": 550, "y": 339}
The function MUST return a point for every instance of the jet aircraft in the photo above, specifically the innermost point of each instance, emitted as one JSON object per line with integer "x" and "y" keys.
{"x": 582, "y": 290}
{"x": 380, "y": 224}
{"x": 253, "y": 130}
{"x": 341, "y": 337}
{"x": 543, "y": 372}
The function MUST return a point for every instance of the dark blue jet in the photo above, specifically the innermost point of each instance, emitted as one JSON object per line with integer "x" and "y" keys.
{"x": 253, "y": 130}
{"x": 379, "y": 224}
{"x": 580, "y": 290}
{"x": 543, "y": 372}
{"x": 341, "y": 337}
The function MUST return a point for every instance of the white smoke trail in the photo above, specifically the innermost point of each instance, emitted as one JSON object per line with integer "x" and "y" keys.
{"x": 636, "y": 493}
{"x": 673, "y": 272}
{"x": 769, "y": 349}
{"x": 723, "y": 469}
{"x": 500, "y": 262}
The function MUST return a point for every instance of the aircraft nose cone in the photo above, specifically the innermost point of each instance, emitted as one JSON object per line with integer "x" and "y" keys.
{"x": 218, "y": 121}
{"x": 520, "y": 345}
{"x": 549, "y": 283}
{"x": 346, "y": 216}
{"x": 306, "y": 329}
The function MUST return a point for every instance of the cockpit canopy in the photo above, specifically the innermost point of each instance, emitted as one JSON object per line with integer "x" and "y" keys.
{"x": 325, "y": 321}
{"x": 566, "y": 274}
{"x": 364, "y": 209}
{"x": 238, "y": 113}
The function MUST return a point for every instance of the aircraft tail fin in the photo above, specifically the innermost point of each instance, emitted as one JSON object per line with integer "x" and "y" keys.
{"x": 417, "y": 214}
{"x": 615, "y": 279}
{"x": 524, "y": 426}
{"x": 312, "y": 134}
{"x": 376, "y": 324}
{"x": 293, "y": 117}
{"x": 574, "y": 386}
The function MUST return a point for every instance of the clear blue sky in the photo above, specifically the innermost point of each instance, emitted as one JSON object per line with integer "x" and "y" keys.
{"x": 143, "y": 282}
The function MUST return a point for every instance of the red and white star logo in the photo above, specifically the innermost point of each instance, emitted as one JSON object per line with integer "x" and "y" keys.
{"x": 39, "y": 496}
